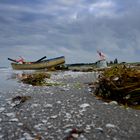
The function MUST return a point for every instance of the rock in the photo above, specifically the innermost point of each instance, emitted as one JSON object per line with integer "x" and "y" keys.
{"x": 68, "y": 130}
{"x": 58, "y": 102}
{"x": 99, "y": 129}
{"x": 44, "y": 121}
{"x": 34, "y": 105}
{"x": 68, "y": 115}
{"x": 10, "y": 115}
{"x": 1, "y": 136}
{"x": 2, "y": 109}
{"x": 74, "y": 135}
{"x": 38, "y": 126}
{"x": 14, "y": 120}
{"x": 113, "y": 103}
{"x": 54, "y": 117}
{"x": 48, "y": 105}
{"x": 27, "y": 136}
{"x": 110, "y": 125}
{"x": 88, "y": 127}
{"x": 84, "y": 105}
{"x": 20, "y": 124}
{"x": 116, "y": 78}
{"x": 68, "y": 125}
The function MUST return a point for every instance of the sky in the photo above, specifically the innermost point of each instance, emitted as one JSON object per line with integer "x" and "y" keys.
{"x": 73, "y": 28}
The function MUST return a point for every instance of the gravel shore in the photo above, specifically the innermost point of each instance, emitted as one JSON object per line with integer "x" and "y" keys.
{"x": 52, "y": 112}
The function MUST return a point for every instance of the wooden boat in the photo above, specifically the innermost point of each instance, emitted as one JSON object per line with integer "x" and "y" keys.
{"x": 39, "y": 65}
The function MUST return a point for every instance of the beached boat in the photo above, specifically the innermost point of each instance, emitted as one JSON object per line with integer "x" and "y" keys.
{"x": 49, "y": 63}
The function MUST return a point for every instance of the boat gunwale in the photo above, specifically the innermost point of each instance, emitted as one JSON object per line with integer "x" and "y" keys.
{"x": 39, "y": 65}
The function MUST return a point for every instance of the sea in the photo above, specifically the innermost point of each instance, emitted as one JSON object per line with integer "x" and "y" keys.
{"x": 8, "y": 79}
{"x": 11, "y": 85}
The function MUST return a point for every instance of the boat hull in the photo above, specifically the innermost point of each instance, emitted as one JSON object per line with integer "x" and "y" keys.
{"x": 46, "y": 64}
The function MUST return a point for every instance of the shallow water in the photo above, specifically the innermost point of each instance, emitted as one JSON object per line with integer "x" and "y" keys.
{"x": 6, "y": 81}
{"x": 9, "y": 79}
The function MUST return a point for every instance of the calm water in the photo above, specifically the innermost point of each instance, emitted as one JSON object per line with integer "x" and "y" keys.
{"x": 7, "y": 79}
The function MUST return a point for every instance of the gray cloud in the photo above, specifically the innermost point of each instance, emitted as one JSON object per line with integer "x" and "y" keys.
{"x": 75, "y": 29}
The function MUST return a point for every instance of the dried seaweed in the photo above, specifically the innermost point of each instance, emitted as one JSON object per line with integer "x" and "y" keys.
{"x": 36, "y": 79}
{"x": 120, "y": 83}
{"x": 19, "y": 100}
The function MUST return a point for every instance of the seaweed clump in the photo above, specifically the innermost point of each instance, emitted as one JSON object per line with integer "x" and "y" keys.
{"x": 120, "y": 83}
{"x": 19, "y": 100}
{"x": 36, "y": 79}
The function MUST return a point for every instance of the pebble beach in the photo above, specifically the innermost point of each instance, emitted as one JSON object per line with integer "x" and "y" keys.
{"x": 53, "y": 112}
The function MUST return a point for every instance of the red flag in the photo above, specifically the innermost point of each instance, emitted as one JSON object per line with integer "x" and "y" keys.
{"x": 101, "y": 55}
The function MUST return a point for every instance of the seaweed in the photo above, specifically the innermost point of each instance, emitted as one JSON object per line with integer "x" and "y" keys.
{"x": 120, "y": 83}
{"x": 19, "y": 100}
{"x": 39, "y": 79}
{"x": 36, "y": 79}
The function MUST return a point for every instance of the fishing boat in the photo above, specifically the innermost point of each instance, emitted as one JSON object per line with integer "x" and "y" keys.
{"x": 41, "y": 64}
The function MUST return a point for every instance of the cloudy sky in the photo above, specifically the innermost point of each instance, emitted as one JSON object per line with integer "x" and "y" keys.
{"x": 73, "y": 28}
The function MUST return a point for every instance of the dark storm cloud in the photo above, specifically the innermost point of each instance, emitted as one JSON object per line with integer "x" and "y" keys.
{"x": 34, "y": 28}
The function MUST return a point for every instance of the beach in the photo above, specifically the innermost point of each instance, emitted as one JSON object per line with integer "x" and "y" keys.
{"x": 52, "y": 112}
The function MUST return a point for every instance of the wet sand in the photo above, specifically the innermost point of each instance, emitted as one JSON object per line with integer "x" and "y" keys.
{"x": 52, "y": 112}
